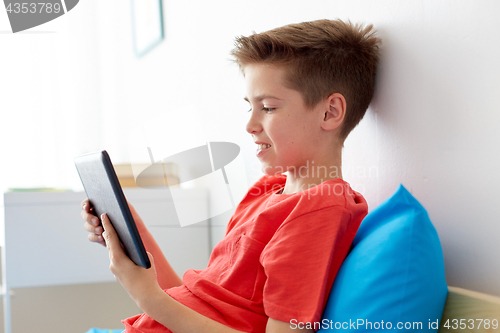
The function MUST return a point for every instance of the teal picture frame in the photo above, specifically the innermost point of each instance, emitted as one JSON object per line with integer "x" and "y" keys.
{"x": 147, "y": 25}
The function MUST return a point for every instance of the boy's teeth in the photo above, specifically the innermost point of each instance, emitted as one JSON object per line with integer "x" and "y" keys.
{"x": 263, "y": 146}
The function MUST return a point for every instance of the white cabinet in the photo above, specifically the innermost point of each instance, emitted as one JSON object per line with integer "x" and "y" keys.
{"x": 45, "y": 243}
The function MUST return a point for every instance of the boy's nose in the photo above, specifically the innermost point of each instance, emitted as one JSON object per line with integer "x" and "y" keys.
{"x": 253, "y": 125}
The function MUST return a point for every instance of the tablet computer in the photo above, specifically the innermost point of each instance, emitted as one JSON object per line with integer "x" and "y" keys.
{"x": 106, "y": 197}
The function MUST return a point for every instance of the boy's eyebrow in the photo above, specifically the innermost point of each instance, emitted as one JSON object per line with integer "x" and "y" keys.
{"x": 261, "y": 97}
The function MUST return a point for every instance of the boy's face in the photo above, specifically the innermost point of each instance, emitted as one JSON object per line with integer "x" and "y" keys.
{"x": 281, "y": 122}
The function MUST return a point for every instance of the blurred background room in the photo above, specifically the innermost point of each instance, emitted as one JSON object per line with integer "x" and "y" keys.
{"x": 89, "y": 80}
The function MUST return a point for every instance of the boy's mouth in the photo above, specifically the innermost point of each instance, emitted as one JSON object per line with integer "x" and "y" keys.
{"x": 262, "y": 148}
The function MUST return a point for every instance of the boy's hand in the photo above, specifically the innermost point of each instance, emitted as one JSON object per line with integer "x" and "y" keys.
{"x": 92, "y": 223}
{"x": 140, "y": 283}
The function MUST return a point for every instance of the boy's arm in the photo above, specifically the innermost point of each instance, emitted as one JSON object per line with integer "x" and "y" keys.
{"x": 276, "y": 326}
{"x": 143, "y": 287}
{"x": 179, "y": 318}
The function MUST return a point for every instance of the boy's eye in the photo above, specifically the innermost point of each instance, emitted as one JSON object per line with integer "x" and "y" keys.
{"x": 267, "y": 110}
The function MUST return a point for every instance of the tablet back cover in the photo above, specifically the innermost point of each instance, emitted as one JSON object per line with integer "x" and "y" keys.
{"x": 106, "y": 196}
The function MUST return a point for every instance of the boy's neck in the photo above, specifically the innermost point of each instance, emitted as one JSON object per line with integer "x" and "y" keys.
{"x": 313, "y": 173}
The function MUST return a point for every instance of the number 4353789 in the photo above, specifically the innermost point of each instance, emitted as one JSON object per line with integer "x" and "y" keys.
{"x": 33, "y": 8}
{"x": 470, "y": 323}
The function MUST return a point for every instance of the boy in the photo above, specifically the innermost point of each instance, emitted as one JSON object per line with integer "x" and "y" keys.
{"x": 308, "y": 86}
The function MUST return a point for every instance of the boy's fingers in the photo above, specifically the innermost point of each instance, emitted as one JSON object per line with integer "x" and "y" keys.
{"x": 110, "y": 237}
{"x": 90, "y": 218}
{"x": 97, "y": 239}
{"x": 89, "y": 227}
{"x": 108, "y": 228}
{"x": 86, "y": 207}
{"x": 85, "y": 204}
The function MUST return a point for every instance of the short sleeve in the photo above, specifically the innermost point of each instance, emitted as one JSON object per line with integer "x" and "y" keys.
{"x": 299, "y": 262}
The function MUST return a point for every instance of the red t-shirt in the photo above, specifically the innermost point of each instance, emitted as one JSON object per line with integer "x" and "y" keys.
{"x": 278, "y": 259}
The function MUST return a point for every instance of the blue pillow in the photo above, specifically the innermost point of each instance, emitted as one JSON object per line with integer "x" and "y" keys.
{"x": 393, "y": 278}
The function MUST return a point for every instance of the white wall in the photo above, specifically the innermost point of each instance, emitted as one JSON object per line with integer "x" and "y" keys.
{"x": 431, "y": 126}
{"x": 49, "y": 99}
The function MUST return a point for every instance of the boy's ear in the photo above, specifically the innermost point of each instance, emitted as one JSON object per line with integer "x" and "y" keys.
{"x": 334, "y": 111}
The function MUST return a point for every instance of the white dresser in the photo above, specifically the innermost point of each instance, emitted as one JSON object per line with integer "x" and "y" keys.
{"x": 45, "y": 243}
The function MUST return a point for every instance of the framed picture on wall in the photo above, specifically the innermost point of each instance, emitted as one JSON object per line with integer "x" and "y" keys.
{"x": 147, "y": 25}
